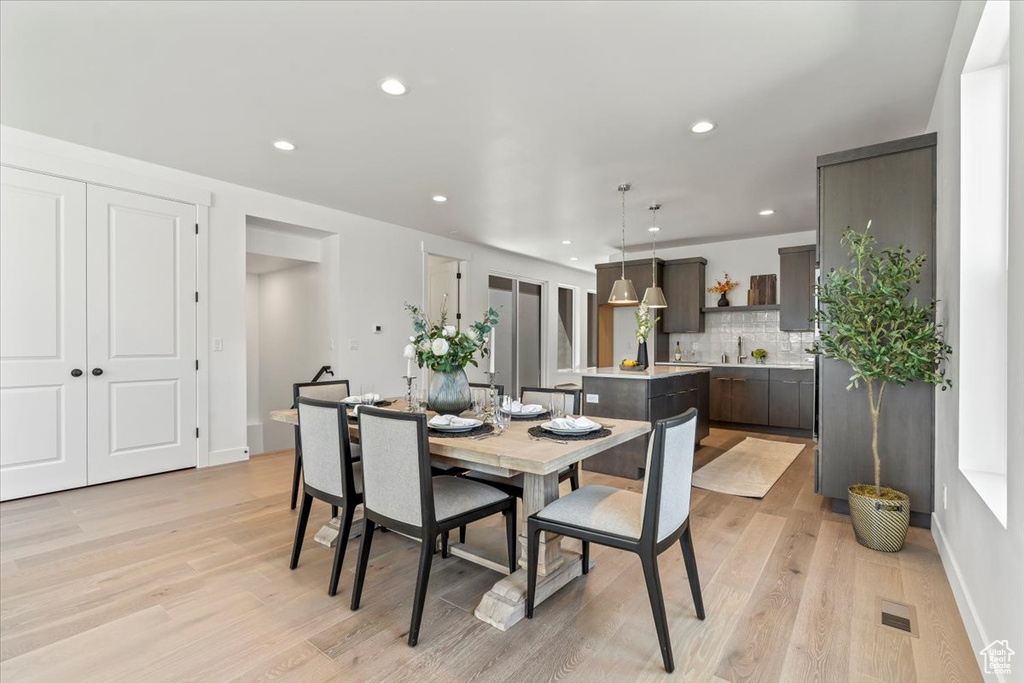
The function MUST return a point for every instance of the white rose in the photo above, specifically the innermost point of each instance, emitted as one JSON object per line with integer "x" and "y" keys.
{"x": 449, "y": 330}
{"x": 425, "y": 345}
{"x": 439, "y": 346}
{"x": 412, "y": 339}
{"x": 409, "y": 351}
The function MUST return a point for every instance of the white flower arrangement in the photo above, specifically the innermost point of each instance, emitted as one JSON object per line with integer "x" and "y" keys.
{"x": 643, "y": 322}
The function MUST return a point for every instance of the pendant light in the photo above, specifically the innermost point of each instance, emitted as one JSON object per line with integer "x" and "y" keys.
{"x": 623, "y": 291}
{"x": 654, "y": 297}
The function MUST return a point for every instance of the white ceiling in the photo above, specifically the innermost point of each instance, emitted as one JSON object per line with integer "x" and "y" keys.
{"x": 526, "y": 115}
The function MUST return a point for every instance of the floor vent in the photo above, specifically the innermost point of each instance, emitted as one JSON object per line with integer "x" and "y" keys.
{"x": 896, "y": 616}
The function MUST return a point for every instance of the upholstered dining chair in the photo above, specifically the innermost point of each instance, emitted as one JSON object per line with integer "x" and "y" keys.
{"x": 646, "y": 524}
{"x": 400, "y": 493}
{"x": 336, "y": 390}
{"x": 329, "y": 474}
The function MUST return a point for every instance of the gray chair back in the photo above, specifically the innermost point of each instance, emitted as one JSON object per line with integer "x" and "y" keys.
{"x": 542, "y": 396}
{"x": 666, "y": 501}
{"x": 396, "y": 465}
{"x": 326, "y": 452}
{"x": 335, "y": 390}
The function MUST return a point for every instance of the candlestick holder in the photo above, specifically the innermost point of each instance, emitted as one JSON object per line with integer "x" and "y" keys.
{"x": 491, "y": 392}
{"x": 409, "y": 407}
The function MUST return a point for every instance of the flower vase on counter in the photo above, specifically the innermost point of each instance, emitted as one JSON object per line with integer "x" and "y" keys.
{"x": 643, "y": 330}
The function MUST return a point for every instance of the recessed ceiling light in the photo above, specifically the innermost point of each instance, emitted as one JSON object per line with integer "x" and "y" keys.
{"x": 703, "y": 127}
{"x": 393, "y": 86}
{"x": 573, "y": 258}
{"x": 440, "y": 198}
{"x": 767, "y": 212}
{"x": 284, "y": 145}
{"x": 653, "y": 228}
{"x": 566, "y": 241}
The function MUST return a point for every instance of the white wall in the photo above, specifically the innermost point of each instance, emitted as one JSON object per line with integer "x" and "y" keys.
{"x": 370, "y": 268}
{"x": 984, "y": 561}
{"x": 254, "y": 418}
{"x": 740, "y": 258}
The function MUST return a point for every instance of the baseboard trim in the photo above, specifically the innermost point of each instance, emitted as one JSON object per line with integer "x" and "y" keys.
{"x": 975, "y": 633}
{"x": 227, "y": 455}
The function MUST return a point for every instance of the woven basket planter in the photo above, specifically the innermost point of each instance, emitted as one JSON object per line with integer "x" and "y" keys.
{"x": 880, "y": 524}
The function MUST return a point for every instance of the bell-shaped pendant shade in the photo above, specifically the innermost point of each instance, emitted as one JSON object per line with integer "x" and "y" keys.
{"x": 623, "y": 293}
{"x": 655, "y": 298}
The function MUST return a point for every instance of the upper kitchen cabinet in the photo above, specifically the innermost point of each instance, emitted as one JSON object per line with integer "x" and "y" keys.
{"x": 637, "y": 271}
{"x": 796, "y": 288}
{"x": 683, "y": 284}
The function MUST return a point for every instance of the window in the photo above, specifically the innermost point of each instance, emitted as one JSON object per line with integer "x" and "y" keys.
{"x": 984, "y": 266}
{"x": 566, "y": 328}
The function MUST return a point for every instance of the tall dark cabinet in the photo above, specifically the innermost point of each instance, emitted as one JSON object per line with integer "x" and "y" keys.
{"x": 893, "y": 185}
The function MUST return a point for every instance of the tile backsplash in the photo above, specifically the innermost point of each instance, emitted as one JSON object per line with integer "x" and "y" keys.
{"x": 759, "y": 329}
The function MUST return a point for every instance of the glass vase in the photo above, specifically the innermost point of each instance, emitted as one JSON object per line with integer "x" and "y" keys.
{"x": 449, "y": 392}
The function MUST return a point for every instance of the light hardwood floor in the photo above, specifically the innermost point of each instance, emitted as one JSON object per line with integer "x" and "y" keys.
{"x": 184, "y": 576}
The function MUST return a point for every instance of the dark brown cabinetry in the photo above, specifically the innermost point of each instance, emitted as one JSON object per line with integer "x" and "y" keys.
{"x": 639, "y": 272}
{"x": 796, "y": 288}
{"x": 892, "y": 185}
{"x": 649, "y": 399}
{"x": 683, "y": 284}
{"x": 739, "y": 395}
{"x": 791, "y": 398}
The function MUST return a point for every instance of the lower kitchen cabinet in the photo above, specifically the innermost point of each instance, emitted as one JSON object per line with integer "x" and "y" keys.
{"x": 776, "y": 397}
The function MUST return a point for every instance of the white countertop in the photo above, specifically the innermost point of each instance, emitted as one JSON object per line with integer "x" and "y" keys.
{"x": 656, "y": 371}
{"x": 748, "y": 364}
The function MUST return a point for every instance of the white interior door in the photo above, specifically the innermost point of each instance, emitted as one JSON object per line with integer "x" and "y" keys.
{"x": 42, "y": 334}
{"x": 142, "y": 335}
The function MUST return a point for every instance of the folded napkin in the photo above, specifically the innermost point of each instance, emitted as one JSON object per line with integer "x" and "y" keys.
{"x": 520, "y": 408}
{"x": 370, "y": 398}
{"x": 450, "y": 421}
{"x": 573, "y": 423}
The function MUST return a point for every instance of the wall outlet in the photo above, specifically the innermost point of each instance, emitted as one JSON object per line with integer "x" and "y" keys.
{"x": 945, "y": 498}
{"x": 330, "y": 344}
{"x": 593, "y": 398}
{"x": 353, "y": 344}
{"x": 218, "y": 344}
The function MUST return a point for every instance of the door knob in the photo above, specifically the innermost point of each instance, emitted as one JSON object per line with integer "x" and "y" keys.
{"x": 97, "y": 371}
{"x": 76, "y": 373}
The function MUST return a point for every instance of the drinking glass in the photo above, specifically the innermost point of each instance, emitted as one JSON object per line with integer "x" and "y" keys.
{"x": 556, "y": 405}
{"x": 503, "y": 413}
{"x": 366, "y": 390}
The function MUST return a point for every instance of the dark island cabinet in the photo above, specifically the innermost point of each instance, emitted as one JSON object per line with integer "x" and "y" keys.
{"x": 791, "y": 401}
{"x": 683, "y": 284}
{"x": 796, "y": 288}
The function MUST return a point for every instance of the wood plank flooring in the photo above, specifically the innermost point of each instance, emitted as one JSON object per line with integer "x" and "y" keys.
{"x": 184, "y": 577}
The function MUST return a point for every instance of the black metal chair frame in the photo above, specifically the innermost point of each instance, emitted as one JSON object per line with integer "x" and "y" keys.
{"x": 347, "y": 502}
{"x": 297, "y": 469}
{"x": 431, "y": 529}
{"x": 647, "y": 546}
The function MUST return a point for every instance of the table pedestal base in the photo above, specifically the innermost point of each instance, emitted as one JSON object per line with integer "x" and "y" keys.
{"x": 505, "y": 604}
{"x": 328, "y": 534}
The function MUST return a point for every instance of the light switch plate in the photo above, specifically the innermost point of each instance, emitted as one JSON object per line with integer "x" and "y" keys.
{"x": 218, "y": 344}
{"x": 353, "y": 344}
{"x": 593, "y": 398}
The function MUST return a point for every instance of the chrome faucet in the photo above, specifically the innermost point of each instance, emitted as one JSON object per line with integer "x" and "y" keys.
{"x": 739, "y": 350}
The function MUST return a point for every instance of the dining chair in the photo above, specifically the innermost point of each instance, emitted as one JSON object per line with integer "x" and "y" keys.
{"x": 400, "y": 493}
{"x": 646, "y": 524}
{"x": 335, "y": 390}
{"x": 329, "y": 474}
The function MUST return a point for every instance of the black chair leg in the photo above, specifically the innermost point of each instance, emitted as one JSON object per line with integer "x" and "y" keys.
{"x": 444, "y": 545}
{"x": 510, "y": 538}
{"x": 364, "y": 559}
{"x": 574, "y": 476}
{"x": 462, "y": 534}
{"x": 339, "y": 548}
{"x": 586, "y": 557}
{"x": 532, "y": 551}
{"x": 650, "y": 564}
{"x": 300, "y": 529}
{"x": 426, "y": 557}
{"x": 296, "y": 470}
{"x": 690, "y": 559}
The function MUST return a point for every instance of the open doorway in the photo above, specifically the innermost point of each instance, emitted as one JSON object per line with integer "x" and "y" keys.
{"x": 287, "y": 334}
{"x": 444, "y": 287}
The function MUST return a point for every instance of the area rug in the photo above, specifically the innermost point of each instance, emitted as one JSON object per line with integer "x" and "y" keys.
{"x": 750, "y": 468}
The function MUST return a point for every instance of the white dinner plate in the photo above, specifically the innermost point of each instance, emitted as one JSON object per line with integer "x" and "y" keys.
{"x": 456, "y": 428}
{"x": 568, "y": 432}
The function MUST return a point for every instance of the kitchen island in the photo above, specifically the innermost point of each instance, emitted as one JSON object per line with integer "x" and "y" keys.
{"x": 650, "y": 395}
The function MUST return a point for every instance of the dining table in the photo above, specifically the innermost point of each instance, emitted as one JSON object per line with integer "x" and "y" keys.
{"x": 510, "y": 453}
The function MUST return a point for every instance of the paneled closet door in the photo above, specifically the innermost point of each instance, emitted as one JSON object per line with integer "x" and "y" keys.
{"x": 142, "y": 335}
{"x": 42, "y": 334}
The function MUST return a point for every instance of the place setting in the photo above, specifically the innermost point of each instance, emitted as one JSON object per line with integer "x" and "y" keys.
{"x": 569, "y": 428}
{"x": 453, "y": 426}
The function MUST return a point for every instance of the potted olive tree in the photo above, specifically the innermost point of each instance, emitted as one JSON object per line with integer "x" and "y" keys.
{"x": 866, "y": 319}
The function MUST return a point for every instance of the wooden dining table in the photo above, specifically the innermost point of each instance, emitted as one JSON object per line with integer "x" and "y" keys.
{"x": 509, "y": 454}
